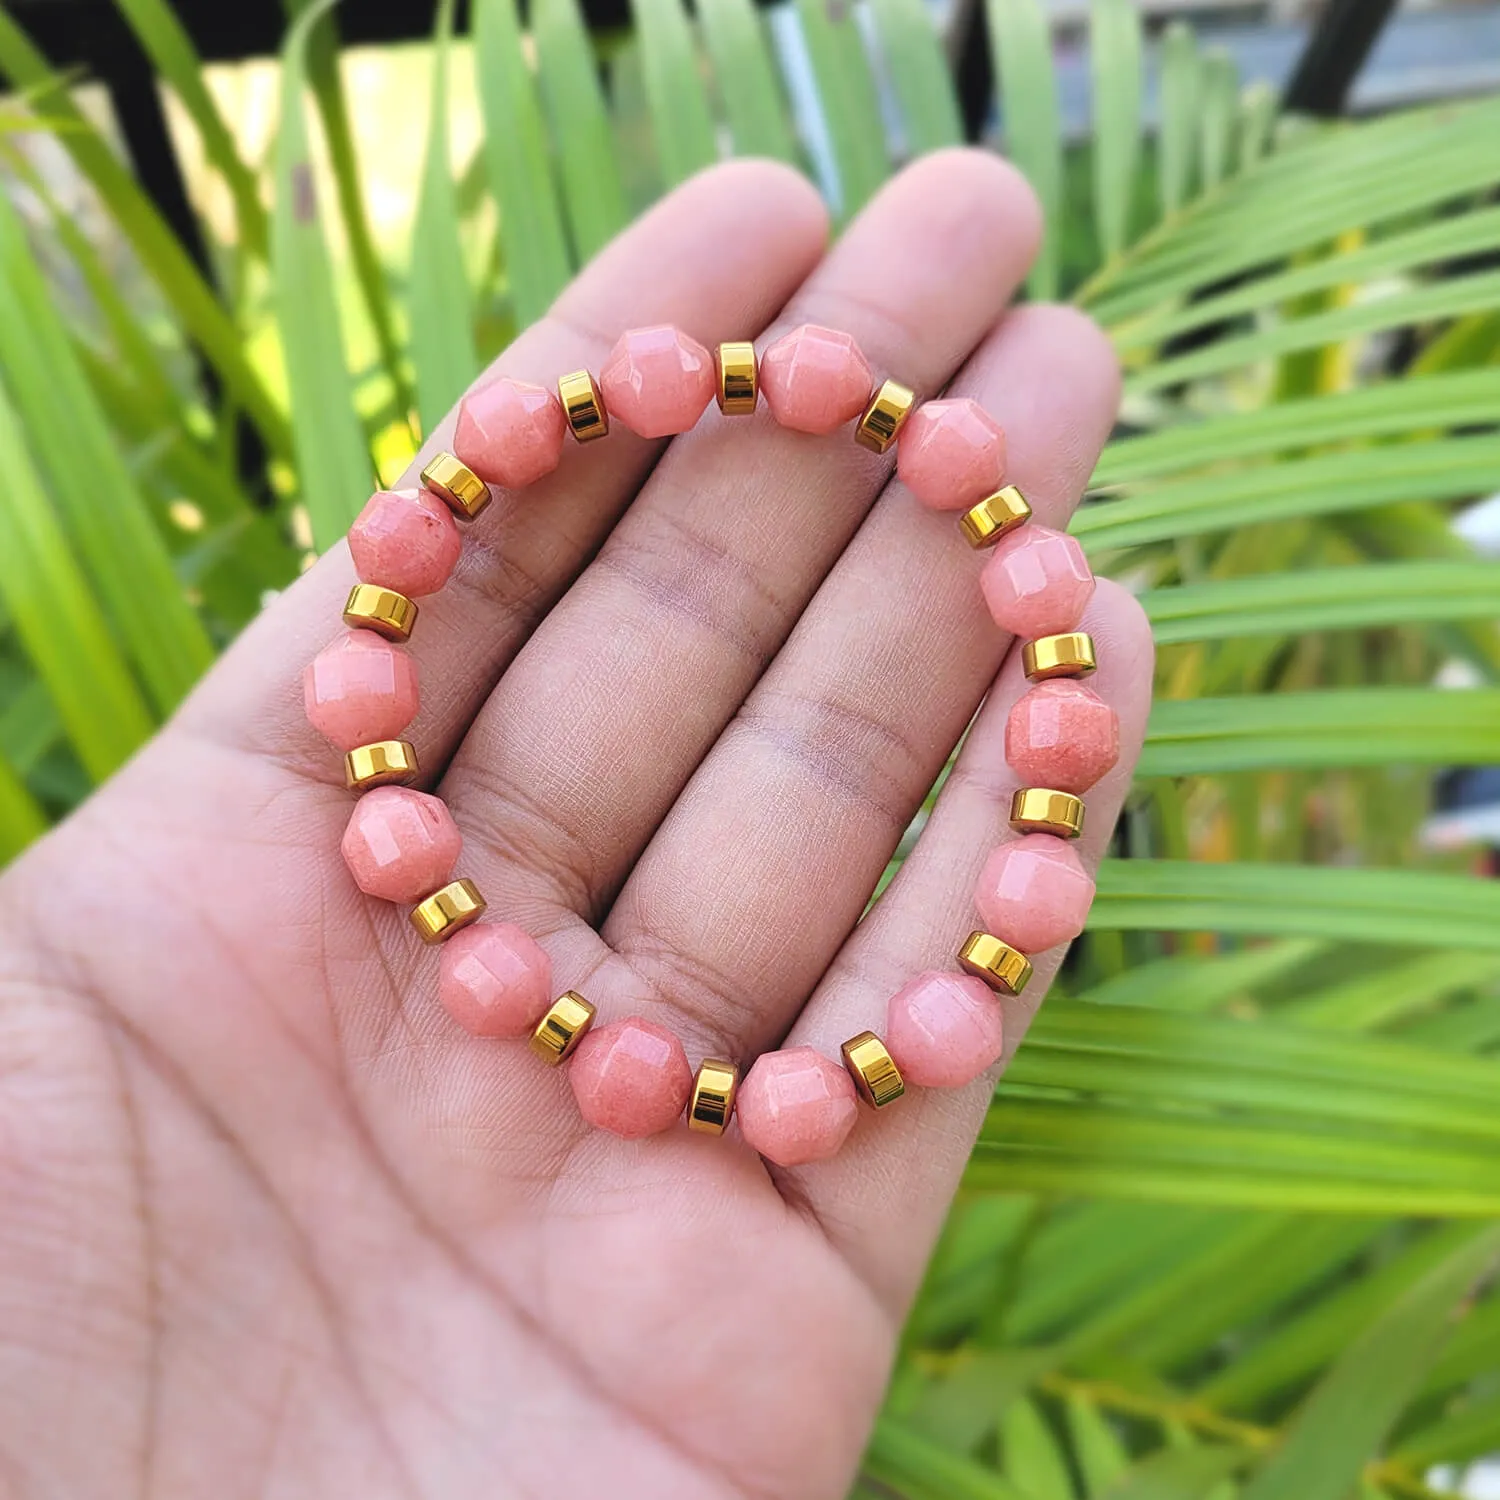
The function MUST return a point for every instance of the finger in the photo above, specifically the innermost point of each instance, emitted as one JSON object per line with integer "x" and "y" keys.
{"x": 768, "y": 859}
{"x": 720, "y": 254}
{"x": 911, "y": 1154}
{"x": 697, "y": 588}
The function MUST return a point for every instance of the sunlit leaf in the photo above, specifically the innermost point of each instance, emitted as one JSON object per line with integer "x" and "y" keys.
{"x": 333, "y": 461}
{"x": 443, "y": 352}
{"x": 1021, "y": 38}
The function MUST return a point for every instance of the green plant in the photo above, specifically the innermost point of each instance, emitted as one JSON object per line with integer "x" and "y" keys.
{"x": 1224, "y": 1231}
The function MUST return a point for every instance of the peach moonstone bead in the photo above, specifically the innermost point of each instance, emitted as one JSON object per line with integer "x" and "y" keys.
{"x": 657, "y": 381}
{"x": 795, "y": 1106}
{"x": 951, "y": 454}
{"x": 943, "y": 1030}
{"x": 1062, "y": 735}
{"x": 631, "y": 1078}
{"x": 1037, "y": 582}
{"x": 495, "y": 980}
{"x": 360, "y": 689}
{"x": 405, "y": 540}
{"x": 1034, "y": 892}
{"x": 510, "y": 433}
{"x": 400, "y": 845}
{"x": 815, "y": 379}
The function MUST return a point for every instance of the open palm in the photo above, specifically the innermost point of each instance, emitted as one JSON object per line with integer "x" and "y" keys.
{"x": 272, "y": 1225}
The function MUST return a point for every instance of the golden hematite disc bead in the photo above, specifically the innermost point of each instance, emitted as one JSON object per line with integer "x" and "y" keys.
{"x": 448, "y": 911}
{"x": 713, "y": 1096}
{"x": 873, "y": 1070}
{"x": 457, "y": 485}
{"x": 380, "y": 764}
{"x": 995, "y": 515}
{"x": 387, "y": 613}
{"x": 583, "y": 405}
{"x": 1038, "y": 809}
{"x": 739, "y": 381}
{"x": 562, "y": 1028}
{"x": 884, "y": 417}
{"x": 1001, "y": 967}
{"x": 1048, "y": 656}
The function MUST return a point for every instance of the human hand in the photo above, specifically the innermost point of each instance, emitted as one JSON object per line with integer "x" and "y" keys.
{"x": 274, "y": 1226}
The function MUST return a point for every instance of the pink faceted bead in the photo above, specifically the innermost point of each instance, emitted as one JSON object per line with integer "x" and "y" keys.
{"x": 951, "y": 454}
{"x": 815, "y": 379}
{"x": 1037, "y": 582}
{"x": 495, "y": 980}
{"x": 360, "y": 689}
{"x": 657, "y": 381}
{"x": 510, "y": 433}
{"x": 400, "y": 845}
{"x": 1062, "y": 735}
{"x": 943, "y": 1030}
{"x": 405, "y": 540}
{"x": 1034, "y": 893}
{"x": 795, "y": 1106}
{"x": 631, "y": 1078}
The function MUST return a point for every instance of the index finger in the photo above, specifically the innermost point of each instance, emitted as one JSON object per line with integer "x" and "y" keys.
{"x": 719, "y": 257}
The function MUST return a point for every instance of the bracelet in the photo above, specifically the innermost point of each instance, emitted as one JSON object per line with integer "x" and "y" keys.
{"x": 631, "y": 1076}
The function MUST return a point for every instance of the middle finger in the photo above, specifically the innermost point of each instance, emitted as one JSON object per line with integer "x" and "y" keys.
{"x": 598, "y": 725}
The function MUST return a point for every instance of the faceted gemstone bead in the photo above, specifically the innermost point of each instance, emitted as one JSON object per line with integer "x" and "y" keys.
{"x": 1037, "y": 582}
{"x": 405, "y": 540}
{"x": 943, "y": 1030}
{"x": 400, "y": 845}
{"x": 815, "y": 379}
{"x": 510, "y": 433}
{"x": 658, "y": 381}
{"x": 495, "y": 980}
{"x": 1062, "y": 735}
{"x": 360, "y": 689}
{"x": 951, "y": 455}
{"x": 1034, "y": 892}
{"x": 631, "y": 1078}
{"x": 796, "y": 1106}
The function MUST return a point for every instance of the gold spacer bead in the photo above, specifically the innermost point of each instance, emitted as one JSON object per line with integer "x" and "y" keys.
{"x": 873, "y": 1070}
{"x": 739, "y": 379}
{"x": 583, "y": 405}
{"x": 448, "y": 911}
{"x": 457, "y": 485}
{"x": 995, "y": 515}
{"x": 387, "y": 613}
{"x": 1001, "y": 967}
{"x": 380, "y": 764}
{"x": 1049, "y": 656}
{"x": 713, "y": 1096}
{"x": 1038, "y": 809}
{"x": 562, "y": 1028}
{"x": 884, "y": 417}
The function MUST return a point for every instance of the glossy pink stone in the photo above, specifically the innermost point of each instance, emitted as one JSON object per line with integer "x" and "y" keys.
{"x": 360, "y": 689}
{"x": 1062, "y": 735}
{"x": 951, "y": 454}
{"x": 796, "y": 1106}
{"x": 400, "y": 845}
{"x": 943, "y": 1030}
{"x": 657, "y": 381}
{"x": 510, "y": 433}
{"x": 405, "y": 540}
{"x": 631, "y": 1078}
{"x": 815, "y": 379}
{"x": 1034, "y": 893}
{"x": 1037, "y": 582}
{"x": 495, "y": 980}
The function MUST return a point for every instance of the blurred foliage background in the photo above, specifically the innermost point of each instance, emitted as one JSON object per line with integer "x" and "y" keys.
{"x": 1229, "y": 1228}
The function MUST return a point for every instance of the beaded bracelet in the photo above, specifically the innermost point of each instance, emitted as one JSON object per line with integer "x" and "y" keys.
{"x": 632, "y": 1076}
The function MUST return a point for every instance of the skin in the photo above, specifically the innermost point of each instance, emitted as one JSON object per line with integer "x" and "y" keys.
{"x": 272, "y": 1226}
